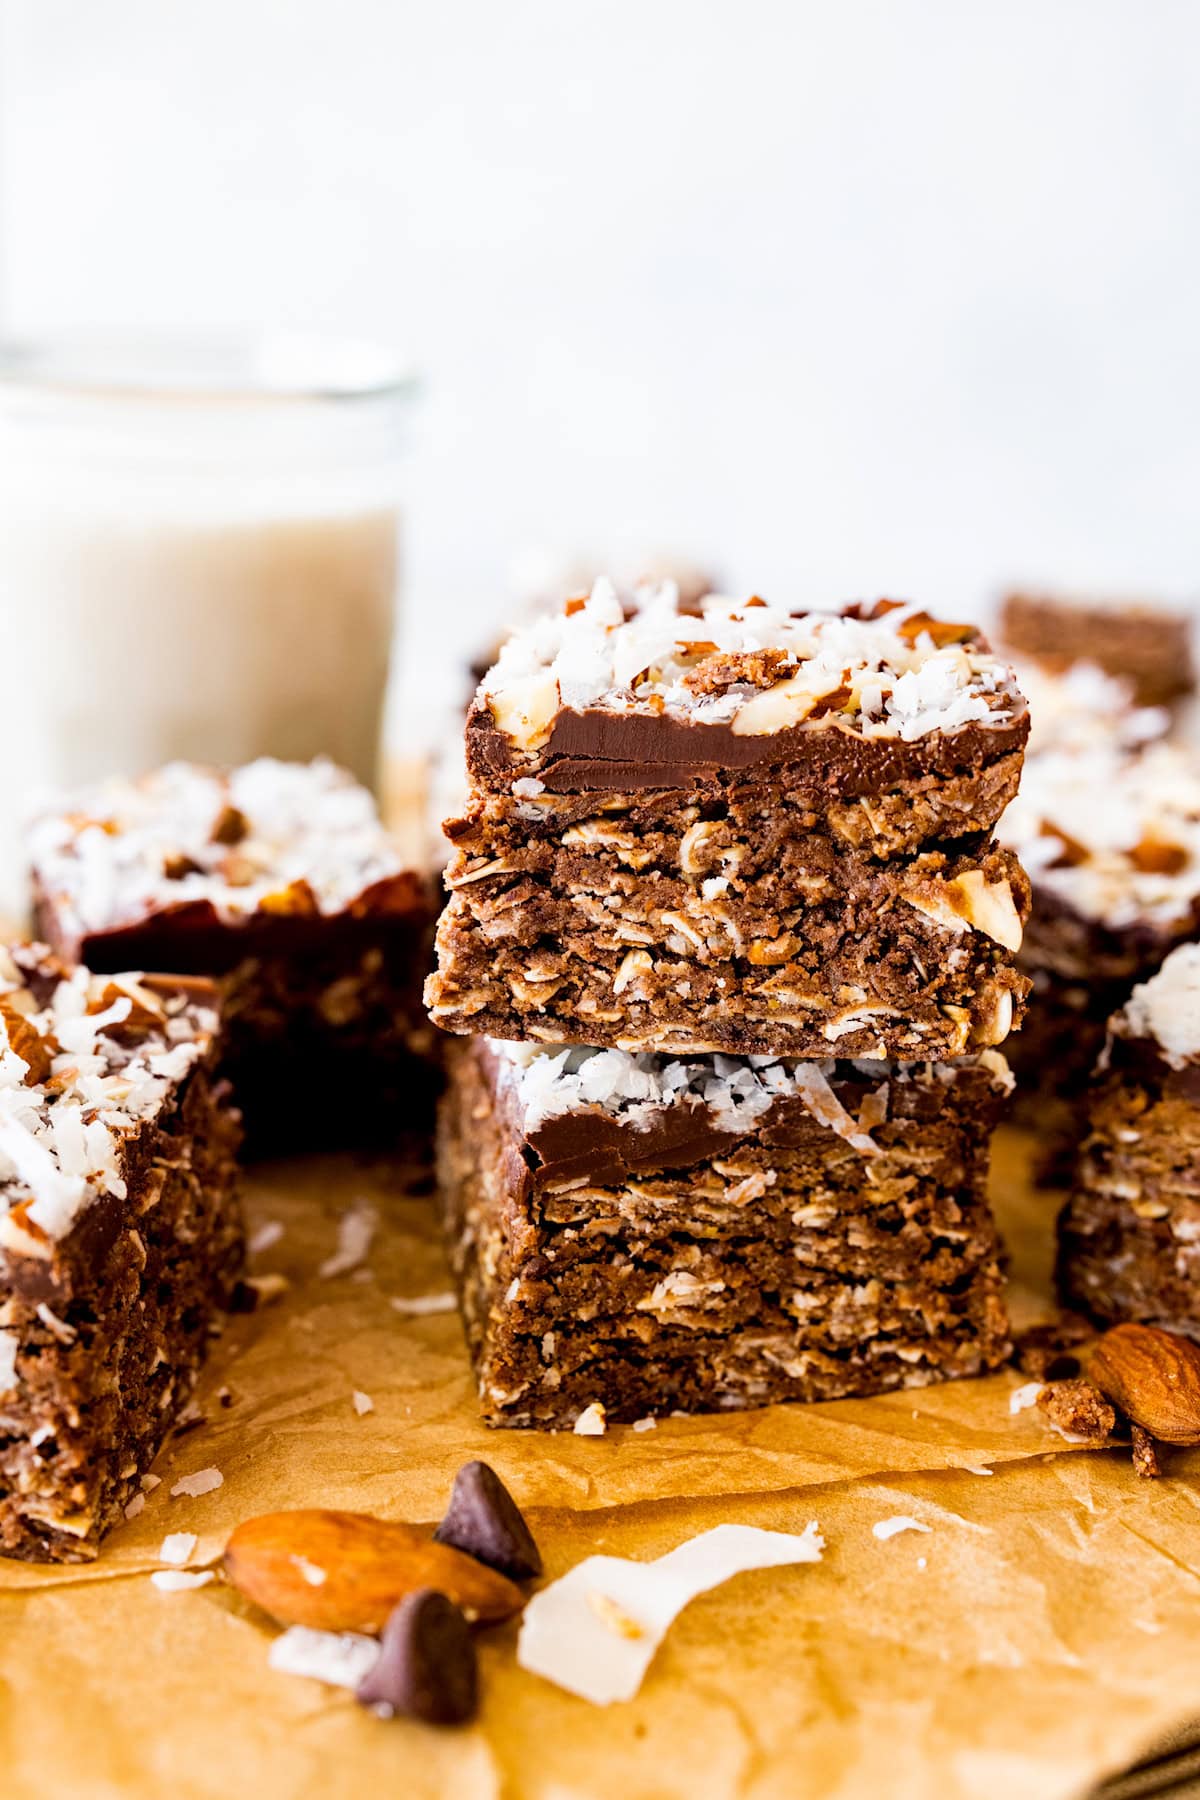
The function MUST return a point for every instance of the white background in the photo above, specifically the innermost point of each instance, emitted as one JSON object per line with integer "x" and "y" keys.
{"x": 845, "y": 297}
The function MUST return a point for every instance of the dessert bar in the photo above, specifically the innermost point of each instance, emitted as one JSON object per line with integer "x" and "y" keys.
{"x": 1147, "y": 645}
{"x": 1085, "y": 706}
{"x": 720, "y": 1232}
{"x": 1129, "y": 1236}
{"x": 738, "y": 830}
{"x": 120, "y": 1236}
{"x": 279, "y": 880}
{"x": 1110, "y": 836}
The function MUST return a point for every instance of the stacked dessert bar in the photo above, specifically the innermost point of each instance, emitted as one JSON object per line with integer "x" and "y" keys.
{"x": 734, "y": 946}
{"x": 279, "y": 881}
{"x": 1129, "y": 1236}
{"x": 1109, "y": 829}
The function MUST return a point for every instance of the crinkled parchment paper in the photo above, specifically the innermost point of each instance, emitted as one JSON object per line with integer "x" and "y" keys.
{"x": 1038, "y": 1636}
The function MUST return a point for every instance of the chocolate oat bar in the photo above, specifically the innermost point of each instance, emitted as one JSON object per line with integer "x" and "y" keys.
{"x": 279, "y": 880}
{"x": 742, "y": 830}
{"x": 648, "y": 1234}
{"x": 1129, "y": 1236}
{"x": 120, "y": 1236}
{"x": 1148, "y": 645}
{"x": 1110, "y": 835}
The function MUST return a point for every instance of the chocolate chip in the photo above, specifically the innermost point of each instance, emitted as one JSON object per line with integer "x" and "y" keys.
{"x": 485, "y": 1521}
{"x": 427, "y": 1667}
{"x": 242, "y": 1298}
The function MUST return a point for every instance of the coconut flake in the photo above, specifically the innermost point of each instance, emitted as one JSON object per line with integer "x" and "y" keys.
{"x": 136, "y": 1505}
{"x": 204, "y": 1481}
{"x": 594, "y": 1632}
{"x": 362, "y": 1403}
{"x": 884, "y": 1529}
{"x": 266, "y": 1237}
{"x": 1022, "y": 1398}
{"x": 177, "y": 1581}
{"x": 177, "y": 1546}
{"x": 66, "y": 1334}
{"x": 827, "y": 1109}
{"x": 338, "y": 1658}
{"x": 420, "y": 1306}
{"x": 355, "y": 1233}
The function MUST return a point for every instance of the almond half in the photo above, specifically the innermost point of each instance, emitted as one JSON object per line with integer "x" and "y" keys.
{"x": 342, "y": 1571}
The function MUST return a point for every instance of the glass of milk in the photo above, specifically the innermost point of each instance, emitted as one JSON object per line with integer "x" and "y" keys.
{"x": 198, "y": 556}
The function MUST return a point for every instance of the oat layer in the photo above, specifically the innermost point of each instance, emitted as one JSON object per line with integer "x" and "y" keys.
{"x": 731, "y": 918}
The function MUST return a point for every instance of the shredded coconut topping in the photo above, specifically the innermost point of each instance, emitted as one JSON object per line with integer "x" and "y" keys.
{"x": 1167, "y": 1007}
{"x": 1084, "y": 705}
{"x": 1112, "y": 832}
{"x": 886, "y": 669}
{"x": 268, "y": 836}
{"x": 736, "y": 1090}
{"x": 84, "y": 1060}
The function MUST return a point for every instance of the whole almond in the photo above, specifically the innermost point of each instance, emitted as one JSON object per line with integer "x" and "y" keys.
{"x": 1154, "y": 1377}
{"x": 342, "y": 1571}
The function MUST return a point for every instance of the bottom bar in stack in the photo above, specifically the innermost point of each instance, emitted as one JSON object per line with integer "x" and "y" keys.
{"x": 717, "y": 1232}
{"x": 1129, "y": 1236}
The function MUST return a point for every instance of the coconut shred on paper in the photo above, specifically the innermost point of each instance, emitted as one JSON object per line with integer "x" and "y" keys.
{"x": 595, "y": 1631}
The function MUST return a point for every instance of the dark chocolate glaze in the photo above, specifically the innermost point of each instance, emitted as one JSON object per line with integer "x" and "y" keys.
{"x": 1141, "y": 1059}
{"x": 623, "y": 752}
{"x": 1061, "y": 938}
{"x": 191, "y": 938}
{"x": 602, "y": 1148}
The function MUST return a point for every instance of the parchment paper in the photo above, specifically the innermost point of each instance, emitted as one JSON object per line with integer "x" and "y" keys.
{"x": 1053, "y": 1630}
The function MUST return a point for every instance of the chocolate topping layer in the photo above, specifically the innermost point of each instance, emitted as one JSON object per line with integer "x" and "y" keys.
{"x": 599, "y": 750}
{"x": 593, "y": 1145}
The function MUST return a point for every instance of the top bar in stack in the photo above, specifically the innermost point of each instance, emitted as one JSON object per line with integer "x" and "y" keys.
{"x": 279, "y": 880}
{"x": 743, "y": 830}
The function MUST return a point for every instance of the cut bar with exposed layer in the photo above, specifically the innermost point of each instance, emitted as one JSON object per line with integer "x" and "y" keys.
{"x": 745, "y": 830}
{"x": 712, "y": 1233}
{"x": 120, "y": 1236}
